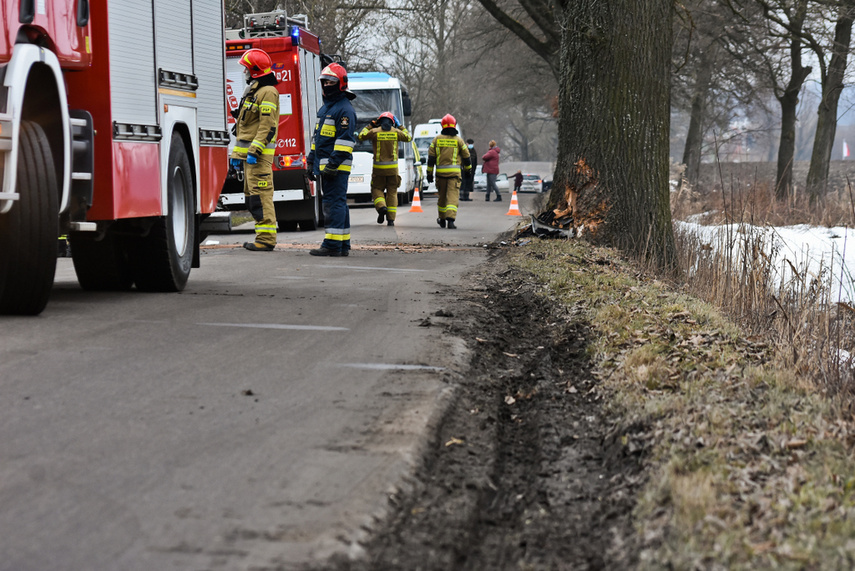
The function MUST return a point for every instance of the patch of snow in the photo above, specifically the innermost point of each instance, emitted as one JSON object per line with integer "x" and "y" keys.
{"x": 798, "y": 252}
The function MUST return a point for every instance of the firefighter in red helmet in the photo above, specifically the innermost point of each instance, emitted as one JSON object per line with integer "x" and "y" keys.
{"x": 449, "y": 154}
{"x": 255, "y": 132}
{"x": 331, "y": 157}
{"x": 384, "y": 133}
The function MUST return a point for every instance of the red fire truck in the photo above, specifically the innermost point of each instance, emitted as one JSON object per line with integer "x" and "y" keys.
{"x": 297, "y": 63}
{"x": 112, "y": 133}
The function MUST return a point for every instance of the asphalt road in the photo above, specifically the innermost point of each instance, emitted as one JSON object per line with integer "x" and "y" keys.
{"x": 258, "y": 419}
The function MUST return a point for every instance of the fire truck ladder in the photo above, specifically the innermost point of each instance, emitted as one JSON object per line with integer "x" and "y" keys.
{"x": 272, "y": 24}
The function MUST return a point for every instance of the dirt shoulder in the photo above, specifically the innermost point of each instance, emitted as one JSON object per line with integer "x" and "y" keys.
{"x": 607, "y": 421}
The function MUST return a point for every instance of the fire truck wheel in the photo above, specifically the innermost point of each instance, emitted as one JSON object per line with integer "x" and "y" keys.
{"x": 316, "y": 213}
{"x": 28, "y": 232}
{"x": 100, "y": 265}
{"x": 309, "y": 213}
{"x": 161, "y": 260}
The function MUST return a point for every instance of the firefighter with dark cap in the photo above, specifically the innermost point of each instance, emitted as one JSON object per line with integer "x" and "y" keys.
{"x": 331, "y": 157}
{"x": 257, "y": 122}
{"x": 449, "y": 154}
{"x": 384, "y": 133}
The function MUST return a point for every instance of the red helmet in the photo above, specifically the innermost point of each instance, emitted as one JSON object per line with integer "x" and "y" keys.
{"x": 388, "y": 115}
{"x": 335, "y": 72}
{"x": 257, "y": 62}
{"x": 448, "y": 121}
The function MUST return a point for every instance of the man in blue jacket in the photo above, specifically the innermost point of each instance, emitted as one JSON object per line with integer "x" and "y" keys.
{"x": 331, "y": 156}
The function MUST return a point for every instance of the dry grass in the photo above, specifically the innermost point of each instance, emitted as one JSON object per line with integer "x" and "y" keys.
{"x": 800, "y": 315}
{"x": 748, "y": 466}
{"x": 753, "y": 201}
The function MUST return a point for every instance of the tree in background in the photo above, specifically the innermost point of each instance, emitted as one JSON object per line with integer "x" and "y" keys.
{"x": 771, "y": 40}
{"x": 697, "y": 52}
{"x": 428, "y": 40}
{"x": 832, "y": 71}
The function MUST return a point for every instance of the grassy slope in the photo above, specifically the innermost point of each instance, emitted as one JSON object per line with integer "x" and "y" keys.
{"x": 747, "y": 466}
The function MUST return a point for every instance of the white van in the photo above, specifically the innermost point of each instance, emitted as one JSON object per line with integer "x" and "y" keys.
{"x": 423, "y": 135}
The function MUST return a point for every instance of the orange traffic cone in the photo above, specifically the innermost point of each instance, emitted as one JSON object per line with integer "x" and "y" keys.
{"x": 417, "y": 203}
{"x": 514, "y": 210}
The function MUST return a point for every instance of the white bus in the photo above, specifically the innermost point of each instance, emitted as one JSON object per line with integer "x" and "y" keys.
{"x": 376, "y": 93}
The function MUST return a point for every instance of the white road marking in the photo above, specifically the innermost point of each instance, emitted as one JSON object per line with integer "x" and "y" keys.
{"x": 370, "y": 268}
{"x": 390, "y": 367}
{"x": 279, "y": 326}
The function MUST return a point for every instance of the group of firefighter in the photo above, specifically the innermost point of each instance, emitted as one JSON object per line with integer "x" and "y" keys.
{"x": 331, "y": 156}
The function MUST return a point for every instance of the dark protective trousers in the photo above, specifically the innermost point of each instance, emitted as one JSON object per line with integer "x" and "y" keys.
{"x": 336, "y": 214}
{"x": 466, "y": 186}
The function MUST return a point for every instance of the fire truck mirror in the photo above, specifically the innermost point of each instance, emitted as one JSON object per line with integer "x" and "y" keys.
{"x": 27, "y": 11}
{"x": 82, "y": 13}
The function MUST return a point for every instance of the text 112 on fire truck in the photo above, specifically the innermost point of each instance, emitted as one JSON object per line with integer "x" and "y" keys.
{"x": 112, "y": 132}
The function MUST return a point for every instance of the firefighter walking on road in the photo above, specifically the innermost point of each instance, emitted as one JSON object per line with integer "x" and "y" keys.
{"x": 331, "y": 158}
{"x": 384, "y": 133}
{"x": 257, "y": 122}
{"x": 448, "y": 153}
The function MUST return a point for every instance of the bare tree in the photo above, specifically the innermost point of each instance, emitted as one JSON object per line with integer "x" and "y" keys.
{"x": 768, "y": 39}
{"x": 700, "y": 32}
{"x": 831, "y": 77}
{"x": 429, "y": 40}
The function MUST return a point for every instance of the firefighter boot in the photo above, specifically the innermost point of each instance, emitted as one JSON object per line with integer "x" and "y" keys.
{"x": 451, "y": 225}
{"x": 326, "y": 252}
{"x": 256, "y": 247}
{"x": 390, "y": 223}
{"x": 441, "y": 222}
{"x": 381, "y": 214}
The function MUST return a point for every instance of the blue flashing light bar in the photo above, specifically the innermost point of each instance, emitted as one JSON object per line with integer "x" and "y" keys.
{"x": 295, "y": 35}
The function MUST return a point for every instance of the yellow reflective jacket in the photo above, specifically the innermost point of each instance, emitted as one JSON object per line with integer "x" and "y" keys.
{"x": 385, "y": 145}
{"x": 257, "y": 123}
{"x": 447, "y": 152}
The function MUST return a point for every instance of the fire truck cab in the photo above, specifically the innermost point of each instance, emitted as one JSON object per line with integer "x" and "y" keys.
{"x": 112, "y": 132}
{"x": 296, "y": 56}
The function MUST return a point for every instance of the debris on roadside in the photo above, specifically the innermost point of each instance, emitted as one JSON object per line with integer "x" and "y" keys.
{"x": 562, "y": 221}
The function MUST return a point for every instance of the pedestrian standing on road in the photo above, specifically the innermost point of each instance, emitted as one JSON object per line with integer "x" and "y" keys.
{"x": 518, "y": 178}
{"x": 384, "y": 134}
{"x": 255, "y": 133}
{"x": 447, "y": 152}
{"x": 490, "y": 167}
{"x": 331, "y": 157}
{"x": 467, "y": 185}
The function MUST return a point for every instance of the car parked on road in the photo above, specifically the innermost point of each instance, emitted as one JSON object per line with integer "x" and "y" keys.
{"x": 480, "y": 184}
{"x": 531, "y": 183}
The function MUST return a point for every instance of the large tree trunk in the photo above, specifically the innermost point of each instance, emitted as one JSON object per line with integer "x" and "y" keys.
{"x": 614, "y": 115}
{"x": 832, "y": 86}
